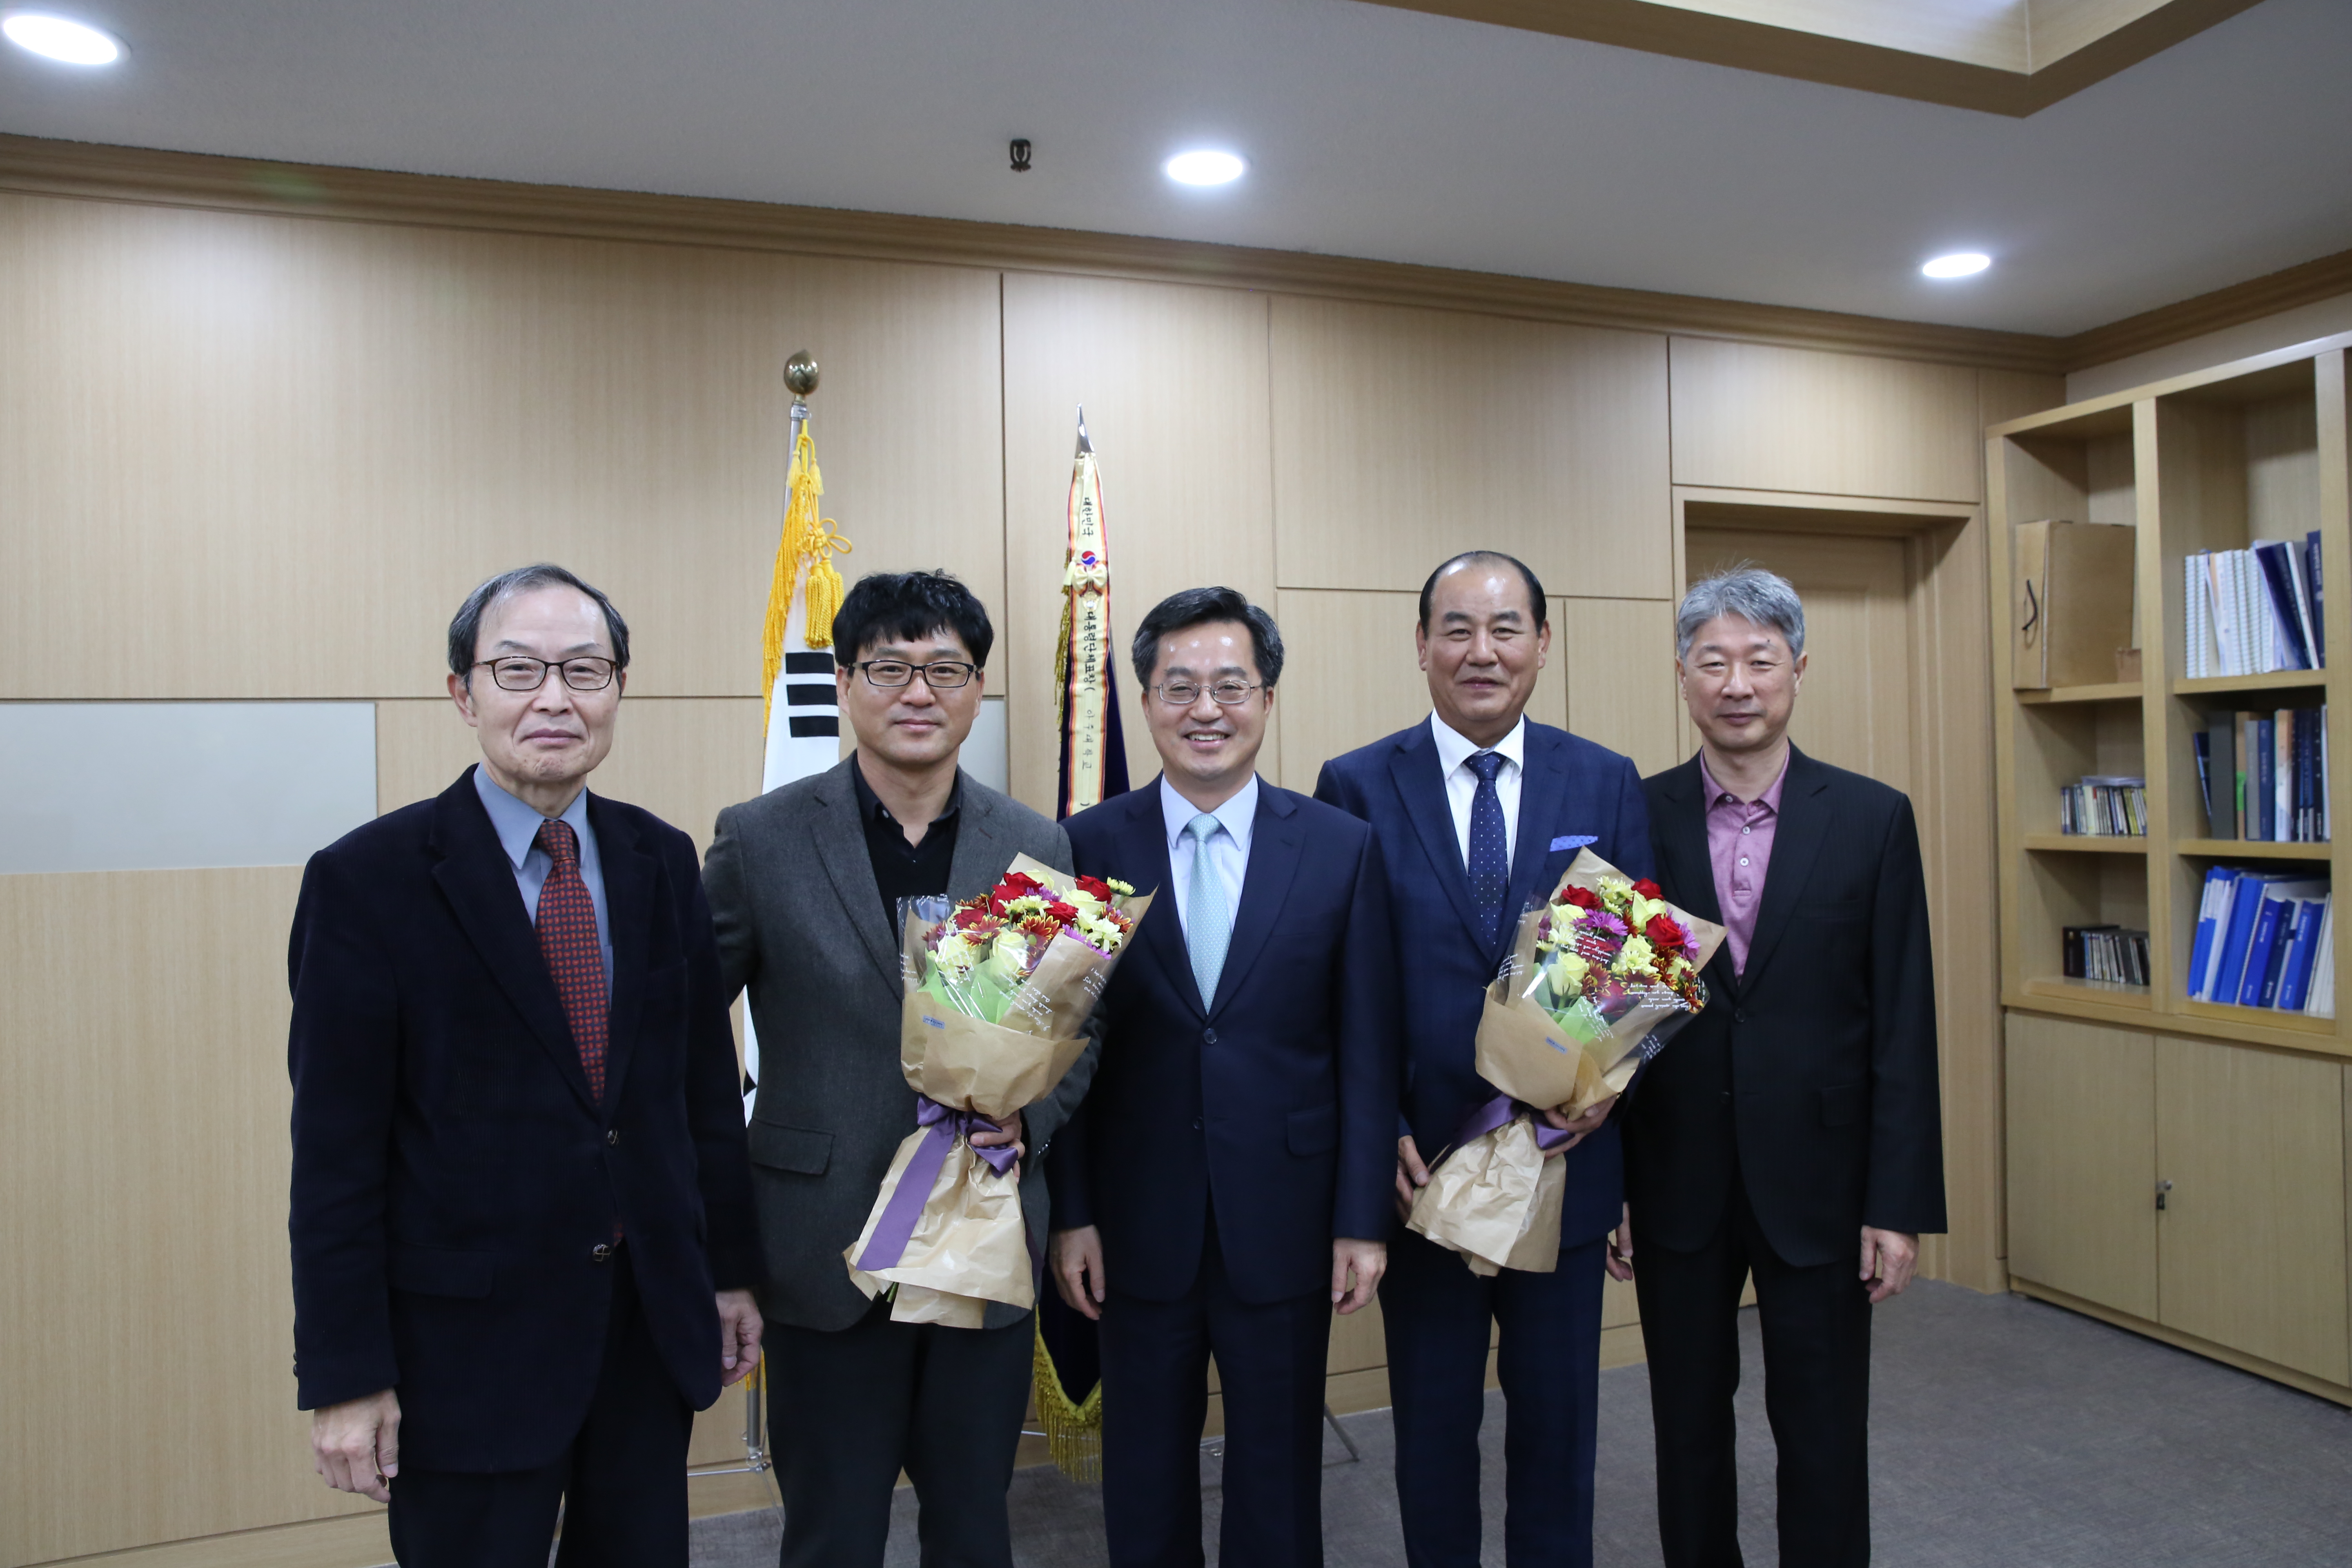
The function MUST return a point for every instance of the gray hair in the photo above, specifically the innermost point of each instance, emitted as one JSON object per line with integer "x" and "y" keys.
{"x": 465, "y": 626}
{"x": 1761, "y": 598}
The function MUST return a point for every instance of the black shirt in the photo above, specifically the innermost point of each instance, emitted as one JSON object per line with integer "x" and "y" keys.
{"x": 904, "y": 871}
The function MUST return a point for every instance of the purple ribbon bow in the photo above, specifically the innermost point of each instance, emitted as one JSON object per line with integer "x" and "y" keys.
{"x": 1498, "y": 1112}
{"x": 945, "y": 1124}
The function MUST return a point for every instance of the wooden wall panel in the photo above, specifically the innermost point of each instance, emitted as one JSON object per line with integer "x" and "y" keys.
{"x": 1402, "y": 437}
{"x": 681, "y": 758}
{"x": 2082, "y": 1161}
{"x": 1615, "y": 660}
{"x": 146, "y": 1320}
{"x": 1747, "y": 416}
{"x": 295, "y": 446}
{"x": 1173, "y": 381}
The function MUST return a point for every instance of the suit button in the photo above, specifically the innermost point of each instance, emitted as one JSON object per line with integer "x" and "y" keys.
{"x": 1208, "y": 1037}
{"x": 600, "y": 1253}
{"x": 1726, "y": 1097}
{"x": 1196, "y": 1124}
{"x": 1739, "y": 1014}
{"x": 612, "y": 1137}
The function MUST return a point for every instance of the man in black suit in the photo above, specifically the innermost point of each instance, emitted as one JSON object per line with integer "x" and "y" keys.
{"x": 1225, "y": 1183}
{"x": 521, "y": 1216}
{"x": 1794, "y": 1126}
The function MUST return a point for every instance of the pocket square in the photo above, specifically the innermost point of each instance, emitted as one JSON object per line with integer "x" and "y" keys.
{"x": 1574, "y": 841}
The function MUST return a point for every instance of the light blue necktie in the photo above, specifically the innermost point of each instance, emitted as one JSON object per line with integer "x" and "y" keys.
{"x": 1209, "y": 924}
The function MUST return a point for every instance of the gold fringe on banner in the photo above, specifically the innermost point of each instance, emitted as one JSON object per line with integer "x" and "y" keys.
{"x": 808, "y": 545}
{"x": 1073, "y": 1431}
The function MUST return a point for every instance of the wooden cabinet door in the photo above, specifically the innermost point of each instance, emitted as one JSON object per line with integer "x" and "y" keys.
{"x": 2252, "y": 1237}
{"x": 2082, "y": 1162}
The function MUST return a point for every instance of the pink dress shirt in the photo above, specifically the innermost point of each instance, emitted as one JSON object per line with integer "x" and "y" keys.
{"x": 1740, "y": 844}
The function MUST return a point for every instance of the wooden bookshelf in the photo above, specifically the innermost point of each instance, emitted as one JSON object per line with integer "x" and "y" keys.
{"x": 2252, "y": 450}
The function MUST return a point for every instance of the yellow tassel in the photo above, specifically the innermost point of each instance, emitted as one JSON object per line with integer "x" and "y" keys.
{"x": 808, "y": 544}
{"x": 1073, "y": 1431}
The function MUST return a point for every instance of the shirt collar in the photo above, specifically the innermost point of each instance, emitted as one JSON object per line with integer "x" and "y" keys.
{"x": 871, "y": 809}
{"x": 1235, "y": 816}
{"x": 1453, "y": 748}
{"x": 516, "y": 822}
{"x": 1715, "y": 793}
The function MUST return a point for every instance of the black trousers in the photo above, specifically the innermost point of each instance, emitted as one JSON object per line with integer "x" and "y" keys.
{"x": 1440, "y": 1318}
{"x": 1155, "y": 1378}
{"x": 1816, "y": 1324}
{"x": 621, "y": 1484}
{"x": 848, "y": 1410}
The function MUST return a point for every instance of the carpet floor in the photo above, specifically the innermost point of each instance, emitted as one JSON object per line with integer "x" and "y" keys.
{"x": 2004, "y": 1432}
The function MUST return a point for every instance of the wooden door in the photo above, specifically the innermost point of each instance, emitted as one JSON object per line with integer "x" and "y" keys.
{"x": 1858, "y": 706}
{"x": 2082, "y": 1161}
{"x": 2250, "y": 1241}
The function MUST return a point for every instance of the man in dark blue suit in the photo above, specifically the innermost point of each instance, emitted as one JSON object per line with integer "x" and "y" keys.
{"x": 1224, "y": 1185}
{"x": 521, "y": 1220}
{"x": 1477, "y": 812}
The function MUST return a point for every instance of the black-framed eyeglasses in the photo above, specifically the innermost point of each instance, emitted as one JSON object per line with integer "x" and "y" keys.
{"x": 520, "y": 674}
{"x": 943, "y": 675}
{"x": 1223, "y": 693}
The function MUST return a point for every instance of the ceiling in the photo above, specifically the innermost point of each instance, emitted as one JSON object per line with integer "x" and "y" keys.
{"x": 1372, "y": 131}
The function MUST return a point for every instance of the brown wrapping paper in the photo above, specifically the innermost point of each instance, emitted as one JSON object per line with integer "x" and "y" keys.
{"x": 970, "y": 1245}
{"x": 1496, "y": 1200}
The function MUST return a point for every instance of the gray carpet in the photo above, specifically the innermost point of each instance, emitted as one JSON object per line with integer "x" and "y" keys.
{"x": 2004, "y": 1432}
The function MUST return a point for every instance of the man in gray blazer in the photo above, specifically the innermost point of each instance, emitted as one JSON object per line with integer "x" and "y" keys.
{"x": 803, "y": 884}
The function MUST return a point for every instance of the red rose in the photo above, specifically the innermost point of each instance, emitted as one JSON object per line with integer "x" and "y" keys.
{"x": 1096, "y": 887}
{"x": 1649, "y": 889}
{"x": 1582, "y": 898}
{"x": 1064, "y": 914}
{"x": 967, "y": 919}
{"x": 1664, "y": 934}
{"x": 1018, "y": 884}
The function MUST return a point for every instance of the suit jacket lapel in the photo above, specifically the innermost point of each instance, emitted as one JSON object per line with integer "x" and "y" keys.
{"x": 475, "y": 874}
{"x": 1797, "y": 839}
{"x": 840, "y": 847}
{"x": 629, "y": 877}
{"x": 1274, "y": 854}
{"x": 1413, "y": 766}
{"x": 1543, "y": 786}
{"x": 1143, "y": 857}
{"x": 981, "y": 857}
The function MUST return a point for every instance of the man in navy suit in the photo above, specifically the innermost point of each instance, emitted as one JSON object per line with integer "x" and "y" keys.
{"x": 1224, "y": 1185}
{"x": 522, "y": 1221}
{"x": 1477, "y": 812}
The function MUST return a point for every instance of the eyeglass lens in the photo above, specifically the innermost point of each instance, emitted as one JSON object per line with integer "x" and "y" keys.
{"x": 1224, "y": 693}
{"x": 528, "y": 674}
{"x": 944, "y": 676}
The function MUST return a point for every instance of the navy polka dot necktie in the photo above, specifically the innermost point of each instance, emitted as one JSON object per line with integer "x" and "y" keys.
{"x": 1490, "y": 845}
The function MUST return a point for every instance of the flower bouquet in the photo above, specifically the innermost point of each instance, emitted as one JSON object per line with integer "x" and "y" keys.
{"x": 999, "y": 990}
{"x": 1601, "y": 975}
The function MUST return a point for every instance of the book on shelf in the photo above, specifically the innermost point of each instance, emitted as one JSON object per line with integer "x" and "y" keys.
{"x": 2262, "y": 940}
{"x": 2105, "y": 952}
{"x": 2264, "y": 776}
{"x": 2104, "y": 805}
{"x": 2254, "y": 611}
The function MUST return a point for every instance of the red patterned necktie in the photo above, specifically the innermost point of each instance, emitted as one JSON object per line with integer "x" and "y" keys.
{"x": 567, "y": 936}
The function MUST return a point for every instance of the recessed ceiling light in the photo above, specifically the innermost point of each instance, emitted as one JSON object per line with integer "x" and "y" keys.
{"x": 1959, "y": 264}
{"x": 59, "y": 39}
{"x": 1205, "y": 168}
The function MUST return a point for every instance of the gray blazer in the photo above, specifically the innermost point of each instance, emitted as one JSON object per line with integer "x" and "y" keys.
{"x": 800, "y": 922}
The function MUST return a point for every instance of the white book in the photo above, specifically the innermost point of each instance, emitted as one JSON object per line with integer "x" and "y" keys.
{"x": 2224, "y": 612}
{"x": 2295, "y": 578}
{"x": 2321, "y": 1003}
{"x": 2199, "y": 619}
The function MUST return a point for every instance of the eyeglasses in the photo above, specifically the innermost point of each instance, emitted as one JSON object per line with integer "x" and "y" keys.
{"x": 520, "y": 674}
{"x": 1184, "y": 693}
{"x": 944, "y": 676}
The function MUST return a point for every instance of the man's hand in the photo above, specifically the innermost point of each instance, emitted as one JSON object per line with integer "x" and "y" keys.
{"x": 1076, "y": 1258}
{"x": 356, "y": 1445}
{"x": 1620, "y": 1261}
{"x": 1010, "y": 1130}
{"x": 1356, "y": 1269}
{"x": 739, "y": 1336}
{"x": 1577, "y": 1127}
{"x": 1888, "y": 1256}
{"x": 1411, "y": 1176}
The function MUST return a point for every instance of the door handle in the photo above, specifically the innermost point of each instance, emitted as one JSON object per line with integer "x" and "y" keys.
{"x": 2162, "y": 1187}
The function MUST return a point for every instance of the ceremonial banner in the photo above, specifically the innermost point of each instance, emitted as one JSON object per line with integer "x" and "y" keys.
{"x": 1086, "y": 660}
{"x": 803, "y": 715}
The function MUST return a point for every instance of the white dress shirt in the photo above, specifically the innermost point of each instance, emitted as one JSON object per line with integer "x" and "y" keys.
{"x": 517, "y": 825}
{"x": 1453, "y": 753}
{"x": 1228, "y": 846}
